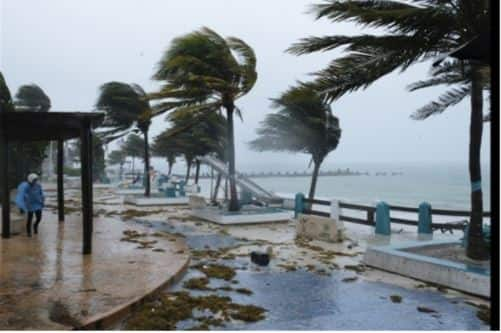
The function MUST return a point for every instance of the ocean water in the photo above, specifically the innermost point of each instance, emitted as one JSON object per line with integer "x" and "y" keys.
{"x": 443, "y": 186}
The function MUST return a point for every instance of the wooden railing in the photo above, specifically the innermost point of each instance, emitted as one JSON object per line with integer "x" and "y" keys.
{"x": 371, "y": 214}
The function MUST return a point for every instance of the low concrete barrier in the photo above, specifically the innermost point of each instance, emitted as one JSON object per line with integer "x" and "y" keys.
{"x": 319, "y": 228}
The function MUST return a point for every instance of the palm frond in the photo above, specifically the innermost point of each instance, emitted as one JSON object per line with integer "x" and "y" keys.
{"x": 448, "y": 99}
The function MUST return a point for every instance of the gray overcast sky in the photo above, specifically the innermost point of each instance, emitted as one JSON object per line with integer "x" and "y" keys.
{"x": 70, "y": 48}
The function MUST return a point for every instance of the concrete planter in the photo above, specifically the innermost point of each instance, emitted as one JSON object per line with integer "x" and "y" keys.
{"x": 219, "y": 216}
{"x": 402, "y": 259}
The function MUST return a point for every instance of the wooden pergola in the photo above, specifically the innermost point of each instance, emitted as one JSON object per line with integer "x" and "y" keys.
{"x": 27, "y": 126}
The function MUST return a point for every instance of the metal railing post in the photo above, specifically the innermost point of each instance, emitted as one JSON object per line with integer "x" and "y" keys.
{"x": 425, "y": 220}
{"x": 383, "y": 219}
{"x": 298, "y": 204}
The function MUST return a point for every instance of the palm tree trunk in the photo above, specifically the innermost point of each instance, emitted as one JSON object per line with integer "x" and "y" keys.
{"x": 188, "y": 170}
{"x": 147, "y": 184}
{"x": 233, "y": 206}
{"x": 476, "y": 246}
{"x": 121, "y": 172}
{"x": 216, "y": 188}
{"x": 314, "y": 178}
{"x": 170, "y": 169}
{"x": 197, "y": 171}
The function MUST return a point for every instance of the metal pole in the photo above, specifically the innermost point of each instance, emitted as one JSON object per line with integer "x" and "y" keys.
{"x": 86, "y": 170}
{"x": 60, "y": 180}
{"x": 4, "y": 180}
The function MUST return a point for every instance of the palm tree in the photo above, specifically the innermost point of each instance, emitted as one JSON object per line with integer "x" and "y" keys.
{"x": 133, "y": 147}
{"x": 200, "y": 73}
{"x": 127, "y": 108}
{"x": 303, "y": 123}
{"x": 412, "y": 32}
{"x": 32, "y": 98}
{"x": 6, "y": 103}
{"x": 117, "y": 157}
{"x": 192, "y": 136}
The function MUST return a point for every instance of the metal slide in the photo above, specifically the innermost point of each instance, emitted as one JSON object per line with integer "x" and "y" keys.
{"x": 241, "y": 180}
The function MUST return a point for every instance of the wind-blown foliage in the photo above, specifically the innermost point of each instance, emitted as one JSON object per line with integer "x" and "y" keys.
{"x": 118, "y": 157}
{"x": 127, "y": 108}
{"x": 6, "y": 103}
{"x": 192, "y": 136}
{"x": 303, "y": 123}
{"x": 98, "y": 160}
{"x": 204, "y": 72}
{"x": 412, "y": 31}
{"x": 133, "y": 146}
{"x": 32, "y": 98}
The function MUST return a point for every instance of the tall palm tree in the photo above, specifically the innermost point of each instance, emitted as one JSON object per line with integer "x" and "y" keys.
{"x": 202, "y": 71}
{"x": 413, "y": 31}
{"x": 303, "y": 123}
{"x": 127, "y": 108}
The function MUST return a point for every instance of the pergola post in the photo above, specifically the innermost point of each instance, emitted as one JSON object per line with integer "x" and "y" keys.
{"x": 60, "y": 182}
{"x": 86, "y": 178}
{"x": 4, "y": 181}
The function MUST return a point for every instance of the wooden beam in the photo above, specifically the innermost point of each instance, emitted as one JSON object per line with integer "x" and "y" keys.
{"x": 60, "y": 180}
{"x": 86, "y": 178}
{"x": 4, "y": 180}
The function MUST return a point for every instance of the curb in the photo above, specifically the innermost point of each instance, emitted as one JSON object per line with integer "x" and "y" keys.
{"x": 111, "y": 317}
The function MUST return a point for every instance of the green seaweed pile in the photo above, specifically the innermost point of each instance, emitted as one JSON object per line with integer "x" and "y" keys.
{"x": 216, "y": 271}
{"x": 166, "y": 312}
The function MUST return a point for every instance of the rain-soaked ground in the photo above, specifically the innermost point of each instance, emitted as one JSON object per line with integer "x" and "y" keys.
{"x": 297, "y": 296}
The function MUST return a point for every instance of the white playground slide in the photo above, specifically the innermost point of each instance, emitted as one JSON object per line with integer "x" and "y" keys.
{"x": 244, "y": 182}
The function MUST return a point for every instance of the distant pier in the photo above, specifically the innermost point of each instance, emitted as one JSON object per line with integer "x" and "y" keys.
{"x": 289, "y": 174}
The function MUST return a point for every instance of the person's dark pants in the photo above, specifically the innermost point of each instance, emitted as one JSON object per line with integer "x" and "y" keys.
{"x": 38, "y": 215}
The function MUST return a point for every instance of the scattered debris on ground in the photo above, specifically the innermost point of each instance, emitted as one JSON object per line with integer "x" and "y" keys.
{"x": 425, "y": 309}
{"x": 167, "y": 311}
{"x": 396, "y": 298}
{"x": 350, "y": 279}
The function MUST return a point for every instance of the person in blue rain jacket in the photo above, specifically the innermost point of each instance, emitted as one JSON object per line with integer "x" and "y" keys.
{"x": 30, "y": 198}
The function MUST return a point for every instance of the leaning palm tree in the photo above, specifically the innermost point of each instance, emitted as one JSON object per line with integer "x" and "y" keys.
{"x": 412, "y": 31}
{"x": 303, "y": 123}
{"x": 202, "y": 72}
{"x": 127, "y": 108}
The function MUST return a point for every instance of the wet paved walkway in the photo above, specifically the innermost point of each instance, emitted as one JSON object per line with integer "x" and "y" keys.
{"x": 304, "y": 300}
{"x": 46, "y": 282}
